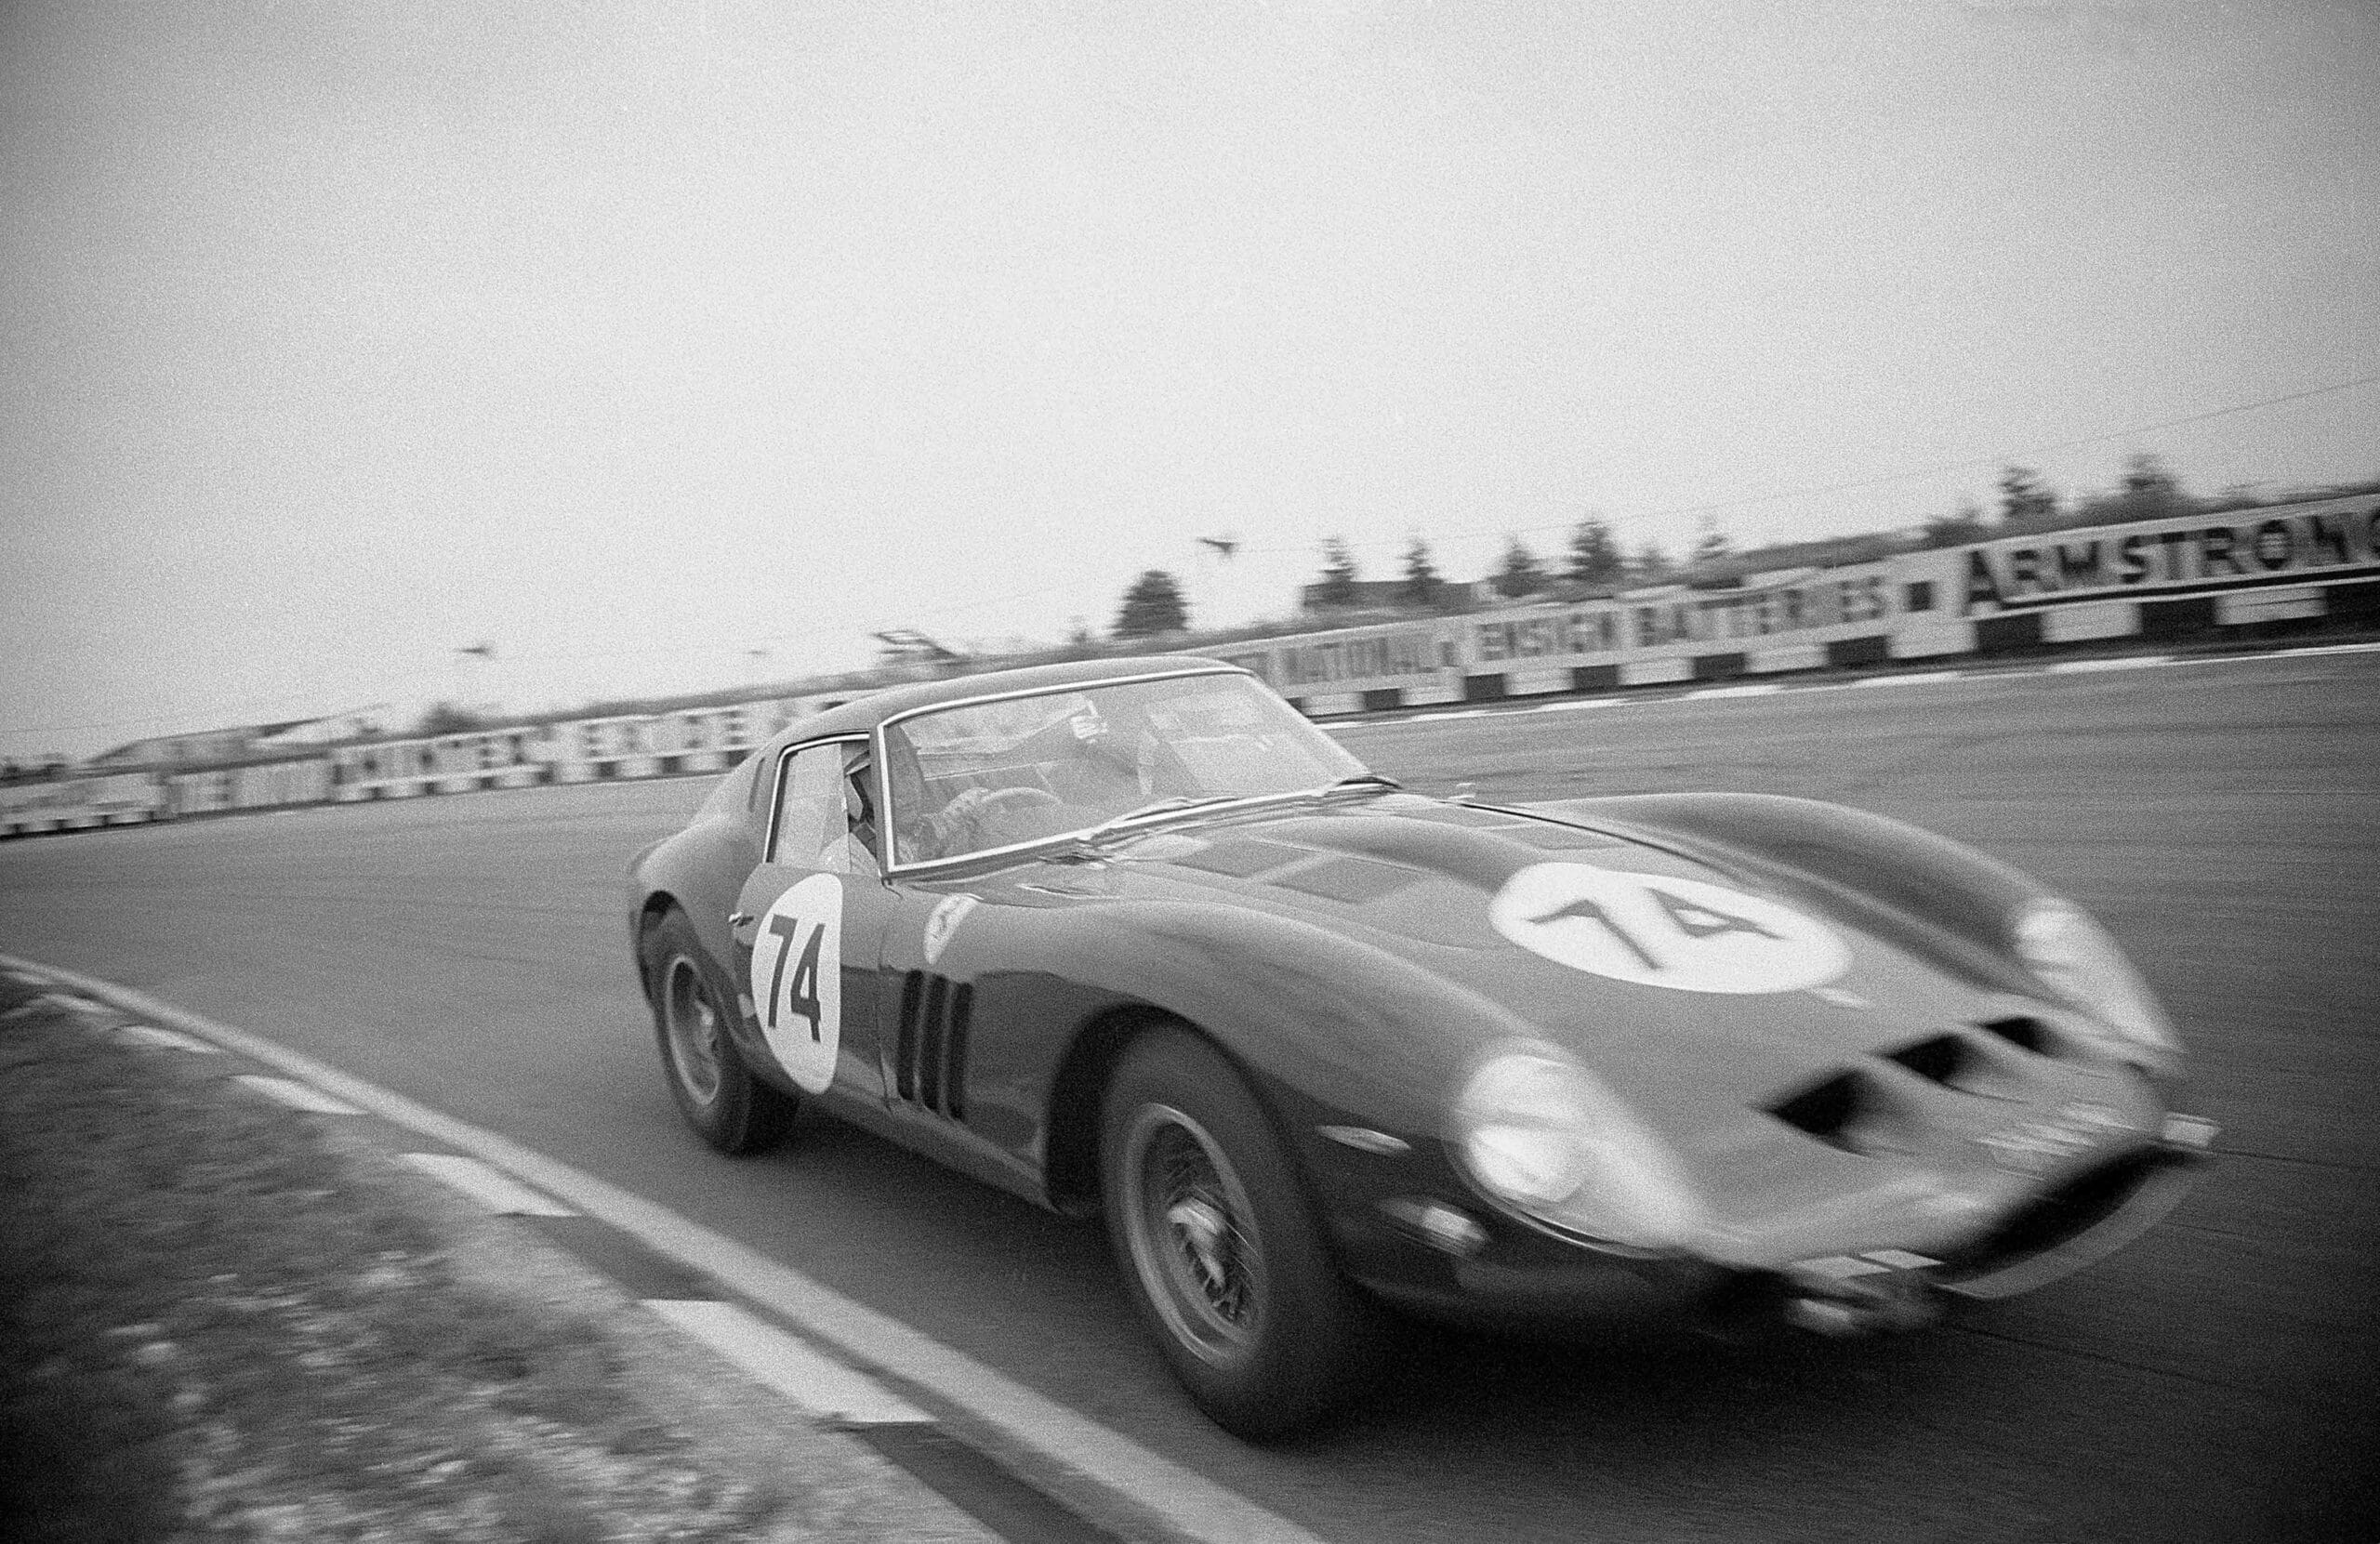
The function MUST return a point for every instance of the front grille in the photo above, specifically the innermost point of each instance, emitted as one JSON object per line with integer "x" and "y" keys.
{"x": 2068, "y": 1212}
{"x": 1938, "y": 1060}
{"x": 930, "y": 1049}
{"x": 2023, "y": 1034}
{"x": 1825, "y": 1110}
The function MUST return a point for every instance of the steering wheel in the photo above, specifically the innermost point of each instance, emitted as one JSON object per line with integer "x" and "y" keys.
{"x": 1017, "y": 799}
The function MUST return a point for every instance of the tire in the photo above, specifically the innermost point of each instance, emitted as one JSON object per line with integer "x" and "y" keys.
{"x": 732, "y": 1110}
{"x": 1218, "y": 1246}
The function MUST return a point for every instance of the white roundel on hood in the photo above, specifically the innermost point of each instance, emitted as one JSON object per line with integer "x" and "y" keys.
{"x": 1658, "y": 930}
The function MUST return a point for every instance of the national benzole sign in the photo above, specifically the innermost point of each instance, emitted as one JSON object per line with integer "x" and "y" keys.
{"x": 2188, "y": 555}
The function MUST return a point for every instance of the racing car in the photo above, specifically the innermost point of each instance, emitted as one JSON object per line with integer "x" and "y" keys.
{"x": 1134, "y": 937}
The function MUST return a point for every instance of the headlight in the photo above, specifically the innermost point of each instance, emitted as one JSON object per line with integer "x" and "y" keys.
{"x": 1537, "y": 1133}
{"x": 2075, "y": 958}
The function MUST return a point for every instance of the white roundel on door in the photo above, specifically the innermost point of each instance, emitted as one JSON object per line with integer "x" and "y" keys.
{"x": 1656, "y": 930}
{"x": 798, "y": 979}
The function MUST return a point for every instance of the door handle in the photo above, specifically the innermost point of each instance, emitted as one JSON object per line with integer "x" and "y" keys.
{"x": 739, "y": 921}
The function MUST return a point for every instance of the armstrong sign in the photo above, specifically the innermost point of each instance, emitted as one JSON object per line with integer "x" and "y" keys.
{"x": 2193, "y": 555}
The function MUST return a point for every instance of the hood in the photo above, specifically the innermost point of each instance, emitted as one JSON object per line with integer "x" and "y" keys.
{"x": 1804, "y": 1050}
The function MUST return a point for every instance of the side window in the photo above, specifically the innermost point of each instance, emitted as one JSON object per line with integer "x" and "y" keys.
{"x": 859, "y": 794}
{"x": 813, "y": 819}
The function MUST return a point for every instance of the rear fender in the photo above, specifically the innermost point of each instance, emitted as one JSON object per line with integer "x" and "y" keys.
{"x": 700, "y": 871}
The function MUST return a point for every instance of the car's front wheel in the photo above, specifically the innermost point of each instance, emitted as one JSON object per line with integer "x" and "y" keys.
{"x": 1219, "y": 1244}
{"x": 717, "y": 1093}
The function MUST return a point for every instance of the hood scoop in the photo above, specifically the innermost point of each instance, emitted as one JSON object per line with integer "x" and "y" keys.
{"x": 1336, "y": 877}
{"x": 1240, "y": 858}
{"x": 1351, "y": 879}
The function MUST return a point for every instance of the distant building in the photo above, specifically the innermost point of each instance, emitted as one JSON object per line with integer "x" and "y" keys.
{"x": 211, "y": 748}
{"x": 331, "y": 729}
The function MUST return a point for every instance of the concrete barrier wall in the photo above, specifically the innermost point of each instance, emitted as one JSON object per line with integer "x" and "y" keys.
{"x": 1794, "y": 622}
{"x": 80, "y": 803}
{"x": 2188, "y": 577}
{"x": 2156, "y": 579}
{"x": 267, "y": 785}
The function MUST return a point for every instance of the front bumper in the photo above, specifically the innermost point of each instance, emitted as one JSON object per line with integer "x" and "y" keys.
{"x": 1504, "y": 1274}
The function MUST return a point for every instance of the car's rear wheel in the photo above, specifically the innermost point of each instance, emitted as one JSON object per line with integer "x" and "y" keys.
{"x": 717, "y": 1093}
{"x": 1219, "y": 1244}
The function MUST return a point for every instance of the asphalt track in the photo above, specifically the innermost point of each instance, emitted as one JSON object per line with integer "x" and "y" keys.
{"x": 2213, "y": 1382}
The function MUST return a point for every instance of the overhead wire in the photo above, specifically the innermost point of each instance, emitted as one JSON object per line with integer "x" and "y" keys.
{"x": 1880, "y": 480}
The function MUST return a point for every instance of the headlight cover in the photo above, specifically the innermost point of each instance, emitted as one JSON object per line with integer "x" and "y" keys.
{"x": 1540, "y": 1136}
{"x": 2074, "y": 957}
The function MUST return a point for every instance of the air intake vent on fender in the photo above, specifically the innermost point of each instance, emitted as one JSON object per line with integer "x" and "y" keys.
{"x": 930, "y": 1053}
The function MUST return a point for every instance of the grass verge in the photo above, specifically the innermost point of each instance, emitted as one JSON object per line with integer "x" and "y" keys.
{"x": 215, "y": 1326}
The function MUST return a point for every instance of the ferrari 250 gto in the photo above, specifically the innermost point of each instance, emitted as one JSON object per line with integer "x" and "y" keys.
{"x": 1134, "y": 937}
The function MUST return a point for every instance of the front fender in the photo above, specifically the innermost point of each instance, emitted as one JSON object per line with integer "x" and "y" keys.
{"x": 1321, "y": 1020}
{"x": 1935, "y": 897}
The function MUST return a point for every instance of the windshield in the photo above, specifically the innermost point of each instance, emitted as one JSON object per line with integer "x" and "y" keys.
{"x": 976, "y": 776}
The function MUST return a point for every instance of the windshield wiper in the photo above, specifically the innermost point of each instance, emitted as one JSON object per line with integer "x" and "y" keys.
{"x": 1091, "y": 835}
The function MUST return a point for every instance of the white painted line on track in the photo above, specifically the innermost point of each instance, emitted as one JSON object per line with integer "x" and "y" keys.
{"x": 2318, "y": 649}
{"x": 167, "y": 1039}
{"x": 80, "y": 1004}
{"x": 1916, "y": 678}
{"x": 1100, "y": 1474}
{"x": 492, "y": 1188}
{"x": 2091, "y": 667}
{"x": 296, "y": 1095}
{"x": 1763, "y": 689}
{"x": 827, "y": 1389}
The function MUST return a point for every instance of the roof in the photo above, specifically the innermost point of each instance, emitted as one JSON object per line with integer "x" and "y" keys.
{"x": 866, "y": 713}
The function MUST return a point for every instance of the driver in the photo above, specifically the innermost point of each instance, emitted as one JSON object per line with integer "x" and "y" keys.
{"x": 1100, "y": 772}
{"x": 974, "y": 819}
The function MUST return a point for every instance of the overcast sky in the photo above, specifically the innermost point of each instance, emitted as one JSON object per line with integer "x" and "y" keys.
{"x": 632, "y": 338}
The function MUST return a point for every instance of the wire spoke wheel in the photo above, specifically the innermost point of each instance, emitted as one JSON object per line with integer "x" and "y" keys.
{"x": 691, "y": 1030}
{"x": 1191, "y": 1230}
{"x": 1218, "y": 1246}
{"x": 726, "y": 1104}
